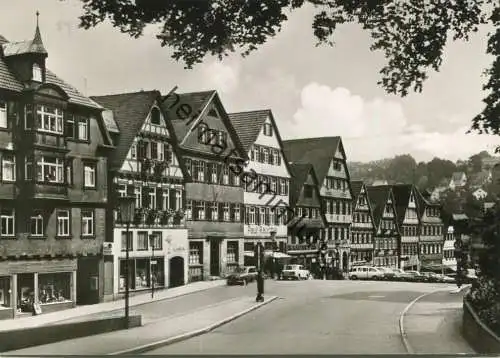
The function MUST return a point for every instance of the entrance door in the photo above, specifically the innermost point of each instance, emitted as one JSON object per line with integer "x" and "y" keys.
{"x": 214, "y": 257}
{"x": 176, "y": 271}
{"x": 345, "y": 262}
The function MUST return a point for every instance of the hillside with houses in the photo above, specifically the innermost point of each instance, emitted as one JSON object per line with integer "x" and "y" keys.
{"x": 462, "y": 187}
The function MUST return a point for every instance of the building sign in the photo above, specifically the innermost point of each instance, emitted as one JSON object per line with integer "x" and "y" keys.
{"x": 107, "y": 248}
{"x": 261, "y": 229}
{"x": 301, "y": 247}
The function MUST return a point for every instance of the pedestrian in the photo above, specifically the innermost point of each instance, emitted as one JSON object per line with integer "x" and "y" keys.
{"x": 260, "y": 287}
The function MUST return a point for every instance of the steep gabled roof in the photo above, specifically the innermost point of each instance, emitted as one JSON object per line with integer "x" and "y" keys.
{"x": 317, "y": 151}
{"x": 356, "y": 186}
{"x": 299, "y": 174}
{"x": 402, "y": 193}
{"x": 248, "y": 126}
{"x": 377, "y": 196}
{"x": 129, "y": 112}
{"x": 197, "y": 102}
{"x": 457, "y": 176}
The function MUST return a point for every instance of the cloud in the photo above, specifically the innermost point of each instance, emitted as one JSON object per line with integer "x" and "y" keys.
{"x": 378, "y": 128}
{"x": 222, "y": 77}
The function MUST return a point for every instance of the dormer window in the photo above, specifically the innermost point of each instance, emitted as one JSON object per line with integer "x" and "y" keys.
{"x": 37, "y": 73}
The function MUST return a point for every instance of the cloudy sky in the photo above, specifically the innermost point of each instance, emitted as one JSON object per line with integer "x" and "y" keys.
{"x": 312, "y": 91}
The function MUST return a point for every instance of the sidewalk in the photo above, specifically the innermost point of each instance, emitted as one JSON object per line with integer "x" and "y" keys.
{"x": 80, "y": 312}
{"x": 153, "y": 335}
{"x": 433, "y": 324}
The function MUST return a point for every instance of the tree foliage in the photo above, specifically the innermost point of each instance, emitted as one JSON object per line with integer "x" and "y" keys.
{"x": 412, "y": 34}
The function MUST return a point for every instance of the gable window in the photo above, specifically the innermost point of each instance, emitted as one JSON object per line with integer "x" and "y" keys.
{"x": 133, "y": 151}
{"x": 3, "y": 114}
{"x": 49, "y": 119}
{"x": 36, "y": 225}
{"x": 63, "y": 223}
{"x": 203, "y": 134}
{"x": 50, "y": 170}
{"x": 268, "y": 129}
{"x": 213, "y": 113}
{"x": 8, "y": 167}
{"x": 7, "y": 222}
{"x": 36, "y": 73}
{"x": 155, "y": 116}
{"x": 83, "y": 128}
{"x": 89, "y": 175}
{"x": 87, "y": 223}
{"x": 337, "y": 165}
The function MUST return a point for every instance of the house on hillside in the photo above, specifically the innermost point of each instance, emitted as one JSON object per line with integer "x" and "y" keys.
{"x": 458, "y": 180}
{"x": 479, "y": 194}
{"x": 489, "y": 163}
{"x": 480, "y": 179}
{"x": 438, "y": 193}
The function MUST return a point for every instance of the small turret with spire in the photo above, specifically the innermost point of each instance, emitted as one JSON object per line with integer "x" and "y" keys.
{"x": 27, "y": 58}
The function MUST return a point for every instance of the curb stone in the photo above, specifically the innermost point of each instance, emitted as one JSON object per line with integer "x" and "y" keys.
{"x": 402, "y": 331}
{"x": 185, "y": 336}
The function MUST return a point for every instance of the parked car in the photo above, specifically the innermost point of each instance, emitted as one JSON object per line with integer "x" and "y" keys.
{"x": 431, "y": 277}
{"x": 399, "y": 274}
{"x": 415, "y": 276}
{"x": 445, "y": 279}
{"x": 365, "y": 273}
{"x": 242, "y": 275}
{"x": 388, "y": 273}
{"x": 295, "y": 272}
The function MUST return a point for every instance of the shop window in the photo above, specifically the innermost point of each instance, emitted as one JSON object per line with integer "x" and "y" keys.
{"x": 25, "y": 292}
{"x": 142, "y": 273}
{"x": 54, "y": 287}
{"x": 195, "y": 253}
{"x": 232, "y": 252}
{"x": 131, "y": 274}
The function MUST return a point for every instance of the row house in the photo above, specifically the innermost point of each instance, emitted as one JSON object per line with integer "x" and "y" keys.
{"x": 306, "y": 219}
{"x": 386, "y": 235}
{"x": 53, "y": 195}
{"x": 214, "y": 160}
{"x": 144, "y": 164}
{"x": 328, "y": 157}
{"x": 408, "y": 224}
{"x": 266, "y": 187}
{"x": 362, "y": 227}
{"x": 431, "y": 235}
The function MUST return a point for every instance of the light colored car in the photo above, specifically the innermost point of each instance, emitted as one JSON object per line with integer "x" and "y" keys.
{"x": 295, "y": 272}
{"x": 365, "y": 273}
{"x": 389, "y": 273}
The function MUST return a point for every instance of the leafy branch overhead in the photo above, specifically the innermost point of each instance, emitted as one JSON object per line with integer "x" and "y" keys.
{"x": 412, "y": 34}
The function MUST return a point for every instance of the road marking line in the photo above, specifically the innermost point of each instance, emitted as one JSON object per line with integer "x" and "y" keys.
{"x": 376, "y": 296}
{"x": 402, "y": 331}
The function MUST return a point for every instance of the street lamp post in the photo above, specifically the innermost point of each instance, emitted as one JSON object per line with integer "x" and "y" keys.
{"x": 153, "y": 262}
{"x": 127, "y": 211}
{"x": 273, "y": 241}
{"x": 259, "y": 255}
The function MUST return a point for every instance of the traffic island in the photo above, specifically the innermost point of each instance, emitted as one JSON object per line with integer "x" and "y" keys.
{"x": 36, "y": 336}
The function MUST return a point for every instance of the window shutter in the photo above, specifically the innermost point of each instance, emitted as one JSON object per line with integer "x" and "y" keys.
{"x": 171, "y": 199}
{"x": 268, "y": 219}
{"x": 231, "y": 212}
{"x": 194, "y": 209}
{"x": 220, "y": 207}
{"x": 30, "y": 122}
{"x": 194, "y": 167}
{"x": 69, "y": 127}
{"x": 262, "y": 158}
{"x": 183, "y": 202}
{"x": 246, "y": 215}
{"x": 159, "y": 198}
{"x": 130, "y": 190}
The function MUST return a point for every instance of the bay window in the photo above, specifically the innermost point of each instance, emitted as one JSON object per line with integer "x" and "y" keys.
{"x": 50, "y": 170}
{"x": 8, "y": 167}
{"x": 63, "y": 223}
{"x": 49, "y": 119}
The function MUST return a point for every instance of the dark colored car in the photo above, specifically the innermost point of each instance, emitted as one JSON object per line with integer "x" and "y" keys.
{"x": 242, "y": 276}
{"x": 431, "y": 277}
{"x": 415, "y": 276}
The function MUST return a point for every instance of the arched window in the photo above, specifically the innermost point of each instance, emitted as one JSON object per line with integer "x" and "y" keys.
{"x": 37, "y": 73}
{"x": 155, "y": 116}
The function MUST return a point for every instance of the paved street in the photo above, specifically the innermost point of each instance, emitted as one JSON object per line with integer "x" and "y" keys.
{"x": 315, "y": 317}
{"x": 310, "y": 317}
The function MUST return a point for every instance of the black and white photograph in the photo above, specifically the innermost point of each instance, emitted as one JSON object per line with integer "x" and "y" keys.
{"x": 249, "y": 177}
